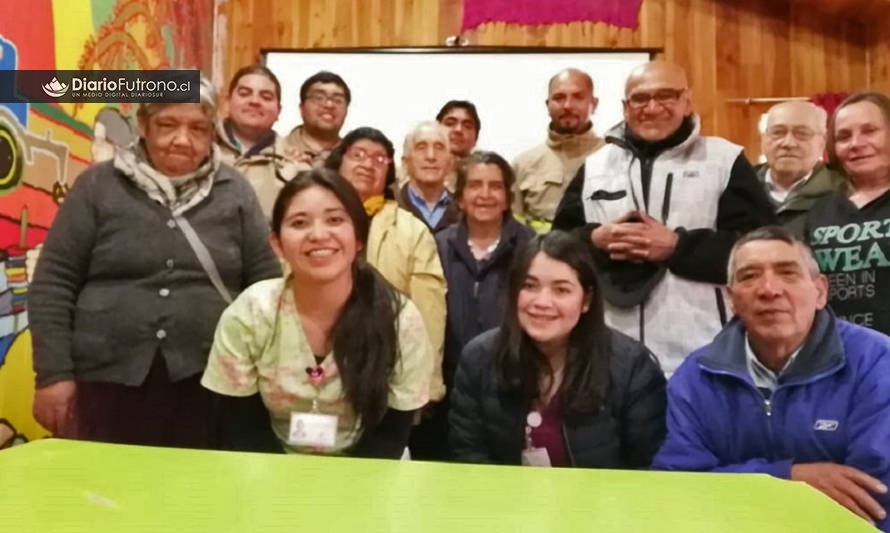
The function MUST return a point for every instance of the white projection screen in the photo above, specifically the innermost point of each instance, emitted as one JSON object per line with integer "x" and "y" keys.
{"x": 395, "y": 88}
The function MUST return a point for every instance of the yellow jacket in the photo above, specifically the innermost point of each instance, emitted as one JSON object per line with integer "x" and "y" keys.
{"x": 402, "y": 248}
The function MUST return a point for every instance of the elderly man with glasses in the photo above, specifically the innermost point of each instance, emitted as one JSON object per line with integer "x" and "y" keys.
{"x": 661, "y": 206}
{"x": 324, "y": 101}
{"x": 794, "y": 175}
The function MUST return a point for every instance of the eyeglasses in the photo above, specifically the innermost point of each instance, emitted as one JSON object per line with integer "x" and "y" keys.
{"x": 661, "y": 97}
{"x": 321, "y": 98}
{"x": 360, "y": 155}
{"x": 780, "y": 132}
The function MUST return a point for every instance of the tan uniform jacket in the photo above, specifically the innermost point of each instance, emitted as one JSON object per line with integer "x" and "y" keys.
{"x": 300, "y": 150}
{"x": 267, "y": 171}
{"x": 544, "y": 172}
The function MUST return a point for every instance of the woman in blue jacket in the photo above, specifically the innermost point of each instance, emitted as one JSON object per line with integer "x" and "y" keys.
{"x": 477, "y": 251}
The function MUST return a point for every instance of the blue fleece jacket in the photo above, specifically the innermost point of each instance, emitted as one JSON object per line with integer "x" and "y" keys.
{"x": 832, "y": 405}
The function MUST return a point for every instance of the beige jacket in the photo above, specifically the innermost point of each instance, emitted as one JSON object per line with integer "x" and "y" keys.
{"x": 544, "y": 172}
{"x": 300, "y": 150}
{"x": 402, "y": 248}
{"x": 267, "y": 171}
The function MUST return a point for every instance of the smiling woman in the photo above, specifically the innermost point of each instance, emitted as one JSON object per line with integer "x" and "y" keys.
{"x": 340, "y": 358}
{"x": 586, "y": 396}
{"x": 477, "y": 252}
{"x": 847, "y": 229}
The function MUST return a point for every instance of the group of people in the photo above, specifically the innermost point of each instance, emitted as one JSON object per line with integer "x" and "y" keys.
{"x": 644, "y": 300}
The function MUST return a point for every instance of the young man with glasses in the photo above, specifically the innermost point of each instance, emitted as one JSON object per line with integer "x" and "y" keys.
{"x": 661, "y": 206}
{"x": 794, "y": 175}
{"x": 324, "y": 101}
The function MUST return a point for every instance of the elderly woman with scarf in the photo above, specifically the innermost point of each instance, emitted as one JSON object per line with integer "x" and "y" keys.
{"x": 142, "y": 258}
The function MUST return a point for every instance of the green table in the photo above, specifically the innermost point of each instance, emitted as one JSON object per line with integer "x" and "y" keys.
{"x": 67, "y": 486}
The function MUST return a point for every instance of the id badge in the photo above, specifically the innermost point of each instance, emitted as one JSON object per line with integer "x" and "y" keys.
{"x": 313, "y": 429}
{"x": 535, "y": 457}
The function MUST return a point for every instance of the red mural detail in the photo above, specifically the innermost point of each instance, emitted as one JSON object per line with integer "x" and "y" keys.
{"x": 192, "y": 24}
{"x": 187, "y": 22}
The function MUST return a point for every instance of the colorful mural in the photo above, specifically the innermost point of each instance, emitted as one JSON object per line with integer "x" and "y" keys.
{"x": 44, "y": 147}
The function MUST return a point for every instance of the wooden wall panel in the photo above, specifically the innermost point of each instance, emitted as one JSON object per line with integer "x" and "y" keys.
{"x": 879, "y": 54}
{"x": 732, "y": 49}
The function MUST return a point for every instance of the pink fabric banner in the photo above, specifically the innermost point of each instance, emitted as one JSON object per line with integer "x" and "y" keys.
{"x": 622, "y": 13}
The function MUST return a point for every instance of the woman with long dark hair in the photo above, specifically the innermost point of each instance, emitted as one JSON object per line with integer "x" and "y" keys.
{"x": 402, "y": 249}
{"x": 339, "y": 357}
{"x": 554, "y": 386}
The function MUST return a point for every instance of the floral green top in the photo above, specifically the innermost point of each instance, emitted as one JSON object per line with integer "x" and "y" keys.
{"x": 260, "y": 346}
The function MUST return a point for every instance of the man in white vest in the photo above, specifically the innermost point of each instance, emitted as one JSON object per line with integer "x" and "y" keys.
{"x": 662, "y": 206}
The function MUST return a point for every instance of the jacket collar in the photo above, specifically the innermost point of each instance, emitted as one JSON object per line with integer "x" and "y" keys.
{"x": 573, "y": 144}
{"x": 460, "y": 235}
{"x": 451, "y": 214}
{"x": 619, "y": 135}
{"x": 822, "y": 181}
{"x": 821, "y": 352}
{"x": 267, "y": 145}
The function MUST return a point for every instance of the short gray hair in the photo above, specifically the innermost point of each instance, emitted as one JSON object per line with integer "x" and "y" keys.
{"x": 411, "y": 137}
{"x": 773, "y": 233}
{"x": 819, "y": 112}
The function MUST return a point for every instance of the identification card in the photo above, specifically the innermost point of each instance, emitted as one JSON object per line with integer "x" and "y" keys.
{"x": 313, "y": 429}
{"x": 535, "y": 457}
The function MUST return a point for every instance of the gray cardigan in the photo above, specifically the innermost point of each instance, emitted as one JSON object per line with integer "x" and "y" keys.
{"x": 117, "y": 282}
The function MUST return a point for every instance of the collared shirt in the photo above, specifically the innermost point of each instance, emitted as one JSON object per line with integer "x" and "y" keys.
{"x": 433, "y": 215}
{"x": 778, "y": 194}
{"x": 763, "y": 377}
{"x": 488, "y": 250}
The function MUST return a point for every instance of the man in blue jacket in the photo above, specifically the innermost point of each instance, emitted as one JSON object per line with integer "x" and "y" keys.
{"x": 785, "y": 388}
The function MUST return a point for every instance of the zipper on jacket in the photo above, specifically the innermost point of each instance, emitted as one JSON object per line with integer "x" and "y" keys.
{"x": 768, "y": 407}
{"x": 568, "y": 447}
{"x": 476, "y": 289}
{"x": 765, "y": 402}
{"x": 666, "y": 201}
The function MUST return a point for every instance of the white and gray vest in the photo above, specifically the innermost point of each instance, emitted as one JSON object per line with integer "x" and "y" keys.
{"x": 679, "y": 315}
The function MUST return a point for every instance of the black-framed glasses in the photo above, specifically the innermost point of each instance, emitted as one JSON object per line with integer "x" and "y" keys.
{"x": 318, "y": 97}
{"x": 640, "y": 100}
